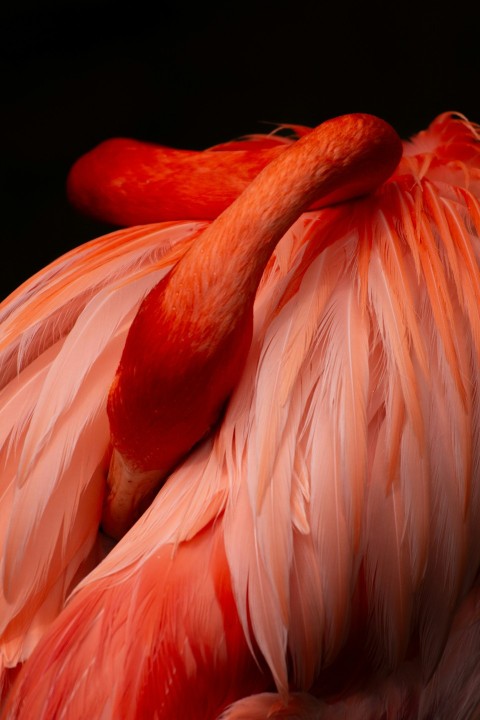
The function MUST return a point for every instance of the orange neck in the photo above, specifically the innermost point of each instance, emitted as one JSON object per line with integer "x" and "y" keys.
{"x": 188, "y": 343}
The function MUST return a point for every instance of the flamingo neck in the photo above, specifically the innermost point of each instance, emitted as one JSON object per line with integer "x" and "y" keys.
{"x": 187, "y": 345}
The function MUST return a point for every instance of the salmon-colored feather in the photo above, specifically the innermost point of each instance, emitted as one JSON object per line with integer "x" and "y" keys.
{"x": 54, "y": 436}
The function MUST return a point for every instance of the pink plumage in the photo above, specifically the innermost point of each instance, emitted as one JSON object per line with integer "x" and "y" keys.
{"x": 315, "y": 556}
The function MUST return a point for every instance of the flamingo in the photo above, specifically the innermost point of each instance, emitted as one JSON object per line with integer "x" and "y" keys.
{"x": 240, "y": 454}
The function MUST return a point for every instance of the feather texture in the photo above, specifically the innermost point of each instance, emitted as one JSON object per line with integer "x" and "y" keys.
{"x": 54, "y": 430}
{"x": 326, "y": 531}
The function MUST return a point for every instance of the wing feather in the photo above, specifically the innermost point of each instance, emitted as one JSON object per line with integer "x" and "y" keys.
{"x": 64, "y": 332}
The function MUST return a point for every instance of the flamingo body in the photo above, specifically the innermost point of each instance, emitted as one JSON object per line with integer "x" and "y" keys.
{"x": 316, "y": 554}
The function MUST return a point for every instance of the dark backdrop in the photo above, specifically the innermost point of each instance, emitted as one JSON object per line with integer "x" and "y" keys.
{"x": 75, "y": 72}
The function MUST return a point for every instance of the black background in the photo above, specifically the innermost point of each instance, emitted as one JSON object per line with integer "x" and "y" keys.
{"x": 76, "y": 72}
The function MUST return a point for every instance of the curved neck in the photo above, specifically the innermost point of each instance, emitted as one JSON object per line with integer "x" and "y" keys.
{"x": 341, "y": 159}
{"x": 188, "y": 343}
